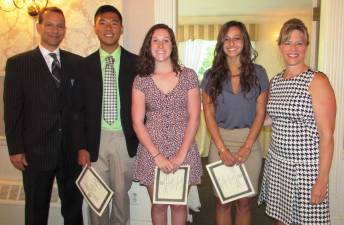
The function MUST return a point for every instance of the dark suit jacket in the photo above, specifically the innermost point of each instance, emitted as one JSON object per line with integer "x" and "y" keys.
{"x": 37, "y": 114}
{"x": 89, "y": 103}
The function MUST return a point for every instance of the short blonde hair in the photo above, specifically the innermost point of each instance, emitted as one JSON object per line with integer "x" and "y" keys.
{"x": 290, "y": 26}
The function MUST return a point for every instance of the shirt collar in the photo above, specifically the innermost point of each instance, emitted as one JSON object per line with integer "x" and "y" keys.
{"x": 45, "y": 52}
{"x": 115, "y": 54}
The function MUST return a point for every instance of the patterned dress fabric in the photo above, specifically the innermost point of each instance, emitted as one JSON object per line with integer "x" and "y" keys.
{"x": 291, "y": 167}
{"x": 166, "y": 121}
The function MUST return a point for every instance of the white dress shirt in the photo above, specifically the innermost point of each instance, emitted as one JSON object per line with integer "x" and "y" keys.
{"x": 48, "y": 59}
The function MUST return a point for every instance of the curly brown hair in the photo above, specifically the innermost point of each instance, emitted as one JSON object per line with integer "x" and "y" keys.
{"x": 146, "y": 62}
{"x": 220, "y": 70}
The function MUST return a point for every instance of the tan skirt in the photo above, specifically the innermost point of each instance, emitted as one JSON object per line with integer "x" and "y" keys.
{"x": 234, "y": 139}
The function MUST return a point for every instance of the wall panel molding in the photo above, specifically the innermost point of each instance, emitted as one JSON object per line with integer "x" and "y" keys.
{"x": 166, "y": 12}
{"x": 331, "y": 62}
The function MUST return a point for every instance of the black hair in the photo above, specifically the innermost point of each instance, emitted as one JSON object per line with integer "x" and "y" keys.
{"x": 49, "y": 9}
{"x": 107, "y": 8}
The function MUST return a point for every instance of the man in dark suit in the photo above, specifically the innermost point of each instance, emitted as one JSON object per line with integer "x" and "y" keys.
{"x": 37, "y": 108}
{"x": 104, "y": 128}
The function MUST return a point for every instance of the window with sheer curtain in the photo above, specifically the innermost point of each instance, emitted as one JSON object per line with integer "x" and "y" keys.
{"x": 196, "y": 44}
{"x": 197, "y": 54}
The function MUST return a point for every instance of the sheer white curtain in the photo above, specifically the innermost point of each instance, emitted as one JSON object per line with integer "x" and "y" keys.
{"x": 193, "y": 52}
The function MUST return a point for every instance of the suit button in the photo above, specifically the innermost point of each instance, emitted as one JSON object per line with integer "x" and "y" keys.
{"x": 60, "y": 130}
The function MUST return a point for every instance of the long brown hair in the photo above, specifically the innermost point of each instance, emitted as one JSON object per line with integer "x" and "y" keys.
{"x": 220, "y": 70}
{"x": 146, "y": 63}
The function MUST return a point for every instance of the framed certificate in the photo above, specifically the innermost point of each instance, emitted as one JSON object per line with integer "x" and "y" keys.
{"x": 94, "y": 189}
{"x": 171, "y": 188}
{"x": 230, "y": 182}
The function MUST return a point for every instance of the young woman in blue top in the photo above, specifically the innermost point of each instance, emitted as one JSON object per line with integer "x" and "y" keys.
{"x": 234, "y": 101}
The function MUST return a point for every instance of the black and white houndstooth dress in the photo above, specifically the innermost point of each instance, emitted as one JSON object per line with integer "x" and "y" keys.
{"x": 291, "y": 167}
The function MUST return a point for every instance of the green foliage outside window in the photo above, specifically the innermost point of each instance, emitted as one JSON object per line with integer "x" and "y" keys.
{"x": 207, "y": 62}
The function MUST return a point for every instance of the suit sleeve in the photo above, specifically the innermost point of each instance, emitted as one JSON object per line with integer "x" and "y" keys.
{"x": 13, "y": 107}
{"x": 79, "y": 129}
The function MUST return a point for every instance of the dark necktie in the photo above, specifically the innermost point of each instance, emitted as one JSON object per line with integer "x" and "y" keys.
{"x": 110, "y": 92}
{"x": 56, "y": 69}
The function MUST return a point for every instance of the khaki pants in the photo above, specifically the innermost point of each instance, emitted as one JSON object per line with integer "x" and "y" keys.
{"x": 116, "y": 168}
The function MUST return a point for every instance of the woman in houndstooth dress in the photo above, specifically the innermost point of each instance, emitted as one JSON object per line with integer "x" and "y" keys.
{"x": 302, "y": 107}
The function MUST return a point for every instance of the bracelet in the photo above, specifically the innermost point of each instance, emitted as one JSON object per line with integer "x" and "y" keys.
{"x": 248, "y": 147}
{"x": 156, "y": 155}
{"x": 222, "y": 149}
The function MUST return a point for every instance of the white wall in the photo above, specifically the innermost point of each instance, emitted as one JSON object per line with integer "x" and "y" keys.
{"x": 331, "y": 60}
{"x": 138, "y": 18}
{"x": 268, "y": 52}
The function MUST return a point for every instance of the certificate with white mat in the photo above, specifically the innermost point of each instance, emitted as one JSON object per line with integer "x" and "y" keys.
{"x": 171, "y": 188}
{"x": 230, "y": 182}
{"x": 95, "y": 191}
